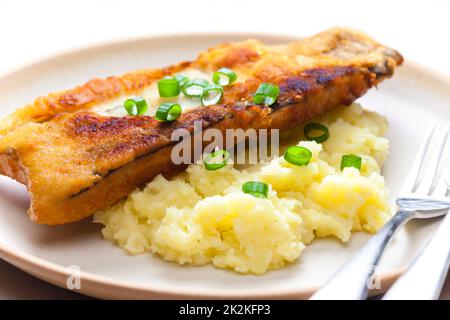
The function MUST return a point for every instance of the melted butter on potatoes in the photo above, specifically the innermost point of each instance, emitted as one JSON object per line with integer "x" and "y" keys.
{"x": 202, "y": 216}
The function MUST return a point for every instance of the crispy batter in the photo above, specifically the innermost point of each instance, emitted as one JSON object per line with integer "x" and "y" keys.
{"x": 74, "y": 161}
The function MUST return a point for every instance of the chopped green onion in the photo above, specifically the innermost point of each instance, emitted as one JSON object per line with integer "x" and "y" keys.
{"x": 350, "y": 160}
{"x": 256, "y": 189}
{"x": 216, "y": 160}
{"x": 212, "y": 95}
{"x": 266, "y": 94}
{"x": 224, "y": 77}
{"x": 194, "y": 88}
{"x": 135, "y": 106}
{"x": 182, "y": 79}
{"x": 297, "y": 155}
{"x": 168, "y": 87}
{"x": 168, "y": 112}
{"x": 311, "y": 127}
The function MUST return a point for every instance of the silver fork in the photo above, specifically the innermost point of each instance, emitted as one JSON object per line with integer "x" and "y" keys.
{"x": 424, "y": 195}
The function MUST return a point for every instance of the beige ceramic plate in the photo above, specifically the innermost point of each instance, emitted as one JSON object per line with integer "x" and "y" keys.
{"x": 414, "y": 99}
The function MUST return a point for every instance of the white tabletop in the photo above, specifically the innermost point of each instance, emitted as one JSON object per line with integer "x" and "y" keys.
{"x": 30, "y": 30}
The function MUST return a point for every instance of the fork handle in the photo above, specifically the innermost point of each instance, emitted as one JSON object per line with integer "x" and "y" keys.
{"x": 425, "y": 277}
{"x": 351, "y": 282}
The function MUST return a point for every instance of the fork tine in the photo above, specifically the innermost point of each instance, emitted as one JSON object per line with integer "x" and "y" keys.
{"x": 433, "y": 161}
{"x": 441, "y": 189}
{"x": 440, "y": 184}
{"x": 443, "y": 184}
{"x": 413, "y": 177}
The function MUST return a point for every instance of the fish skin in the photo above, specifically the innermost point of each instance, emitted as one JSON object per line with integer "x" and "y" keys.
{"x": 75, "y": 162}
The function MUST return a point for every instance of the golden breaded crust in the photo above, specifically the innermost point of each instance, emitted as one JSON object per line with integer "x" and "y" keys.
{"x": 74, "y": 161}
{"x": 83, "y": 97}
{"x": 335, "y": 47}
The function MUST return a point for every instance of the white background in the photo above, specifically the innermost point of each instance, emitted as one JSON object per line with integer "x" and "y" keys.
{"x": 30, "y": 30}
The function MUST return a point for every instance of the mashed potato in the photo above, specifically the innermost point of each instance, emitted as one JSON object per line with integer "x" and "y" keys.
{"x": 203, "y": 216}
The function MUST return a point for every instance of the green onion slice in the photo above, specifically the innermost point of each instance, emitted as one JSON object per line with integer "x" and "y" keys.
{"x": 313, "y": 127}
{"x": 182, "y": 80}
{"x": 194, "y": 88}
{"x": 212, "y": 94}
{"x": 168, "y": 112}
{"x": 256, "y": 189}
{"x": 135, "y": 106}
{"x": 216, "y": 160}
{"x": 266, "y": 94}
{"x": 297, "y": 155}
{"x": 168, "y": 87}
{"x": 224, "y": 77}
{"x": 350, "y": 160}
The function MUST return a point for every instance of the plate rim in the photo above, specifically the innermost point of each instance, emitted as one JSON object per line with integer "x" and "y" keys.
{"x": 105, "y": 287}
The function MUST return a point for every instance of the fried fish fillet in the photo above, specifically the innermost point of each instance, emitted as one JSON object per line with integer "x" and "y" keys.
{"x": 75, "y": 158}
